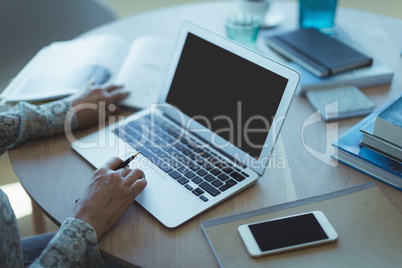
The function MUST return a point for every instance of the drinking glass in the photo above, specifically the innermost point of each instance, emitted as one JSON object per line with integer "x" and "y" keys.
{"x": 243, "y": 28}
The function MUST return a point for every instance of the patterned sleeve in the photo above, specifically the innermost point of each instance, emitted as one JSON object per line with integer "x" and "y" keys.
{"x": 25, "y": 121}
{"x": 74, "y": 245}
{"x": 10, "y": 248}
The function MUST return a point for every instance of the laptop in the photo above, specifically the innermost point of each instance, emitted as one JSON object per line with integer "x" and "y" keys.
{"x": 211, "y": 134}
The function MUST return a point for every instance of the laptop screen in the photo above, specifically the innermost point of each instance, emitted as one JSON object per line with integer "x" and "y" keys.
{"x": 228, "y": 94}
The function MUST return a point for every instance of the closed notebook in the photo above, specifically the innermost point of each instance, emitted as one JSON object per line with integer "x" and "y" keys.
{"x": 318, "y": 53}
{"x": 340, "y": 102}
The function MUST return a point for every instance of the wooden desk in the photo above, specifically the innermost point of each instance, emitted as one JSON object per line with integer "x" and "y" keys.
{"x": 54, "y": 175}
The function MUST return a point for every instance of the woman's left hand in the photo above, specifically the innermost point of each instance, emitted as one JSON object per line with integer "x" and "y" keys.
{"x": 95, "y": 104}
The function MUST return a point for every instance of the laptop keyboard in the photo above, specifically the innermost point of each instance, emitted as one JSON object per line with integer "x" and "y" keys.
{"x": 192, "y": 165}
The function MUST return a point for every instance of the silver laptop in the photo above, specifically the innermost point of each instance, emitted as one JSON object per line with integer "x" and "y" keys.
{"x": 212, "y": 133}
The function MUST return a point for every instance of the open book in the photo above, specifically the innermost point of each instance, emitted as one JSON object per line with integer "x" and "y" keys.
{"x": 63, "y": 68}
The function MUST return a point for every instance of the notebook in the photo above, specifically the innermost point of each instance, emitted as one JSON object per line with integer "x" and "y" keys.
{"x": 212, "y": 132}
{"x": 320, "y": 54}
{"x": 339, "y": 102}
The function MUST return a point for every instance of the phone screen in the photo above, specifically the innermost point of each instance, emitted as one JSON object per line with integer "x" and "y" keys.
{"x": 287, "y": 232}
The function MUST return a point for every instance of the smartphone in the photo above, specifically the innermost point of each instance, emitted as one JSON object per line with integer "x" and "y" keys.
{"x": 287, "y": 233}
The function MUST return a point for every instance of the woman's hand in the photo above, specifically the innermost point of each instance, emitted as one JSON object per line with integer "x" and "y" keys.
{"x": 109, "y": 196}
{"x": 95, "y": 104}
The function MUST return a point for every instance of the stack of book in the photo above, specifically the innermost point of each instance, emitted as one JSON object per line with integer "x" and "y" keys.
{"x": 374, "y": 145}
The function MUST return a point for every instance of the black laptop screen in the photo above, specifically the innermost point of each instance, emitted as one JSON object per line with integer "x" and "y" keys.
{"x": 230, "y": 95}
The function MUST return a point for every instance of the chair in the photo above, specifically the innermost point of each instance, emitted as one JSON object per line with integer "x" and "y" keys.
{"x": 27, "y": 26}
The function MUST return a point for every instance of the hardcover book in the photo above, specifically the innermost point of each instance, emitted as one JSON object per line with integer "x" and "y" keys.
{"x": 320, "y": 54}
{"x": 388, "y": 124}
{"x": 382, "y": 146}
{"x": 377, "y": 165}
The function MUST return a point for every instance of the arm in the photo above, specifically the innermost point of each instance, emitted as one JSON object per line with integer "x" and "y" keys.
{"x": 108, "y": 197}
{"x": 10, "y": 249}
{"x": 74, "y": 245}
{"x": 26, "y": 121}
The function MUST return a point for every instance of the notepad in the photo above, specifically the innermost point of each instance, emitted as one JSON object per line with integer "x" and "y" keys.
{"x": 340, "y": 102}
{"x": 320, "y": 54}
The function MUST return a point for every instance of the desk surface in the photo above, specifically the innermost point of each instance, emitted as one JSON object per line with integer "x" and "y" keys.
{"x": 44, "y": 165}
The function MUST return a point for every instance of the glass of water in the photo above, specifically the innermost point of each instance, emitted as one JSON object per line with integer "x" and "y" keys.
{"x": 243, "y": 28}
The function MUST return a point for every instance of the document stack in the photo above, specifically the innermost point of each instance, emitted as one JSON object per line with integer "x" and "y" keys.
{"x": 374, "y": 145}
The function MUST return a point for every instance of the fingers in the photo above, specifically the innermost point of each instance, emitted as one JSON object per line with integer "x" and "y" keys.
{"x": 124, "y": 171}
{"x": 112, "y": 163}
{"x": 133, "y": 175}
{"x": 137, "y": 187}
{"x": 112, "y": 95}
{"x": 112, "y": 88}
{"x": 117, "y": 95}
{"x": 135, "y": 182}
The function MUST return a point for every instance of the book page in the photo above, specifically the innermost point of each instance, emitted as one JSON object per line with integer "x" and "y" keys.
{"x": 62, "y": 68}
{"x": 144, "y": 70}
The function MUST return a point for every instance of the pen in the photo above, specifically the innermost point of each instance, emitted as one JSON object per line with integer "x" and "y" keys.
{"x": 123, "y": 165}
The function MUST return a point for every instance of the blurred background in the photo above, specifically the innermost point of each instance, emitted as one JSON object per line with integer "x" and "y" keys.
{"x": 123, "y": 8}
{"x": 126, "y": 8}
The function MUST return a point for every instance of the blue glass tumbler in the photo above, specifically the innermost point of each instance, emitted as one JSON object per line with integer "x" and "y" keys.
{"x": 317, "y": 14}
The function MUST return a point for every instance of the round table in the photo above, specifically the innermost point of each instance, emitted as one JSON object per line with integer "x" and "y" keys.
{"x": 44, "y": 166}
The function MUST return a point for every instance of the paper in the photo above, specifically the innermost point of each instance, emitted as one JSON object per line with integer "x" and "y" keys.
{"x": 144, "y": 70}
{"x": 63, "y": 68}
